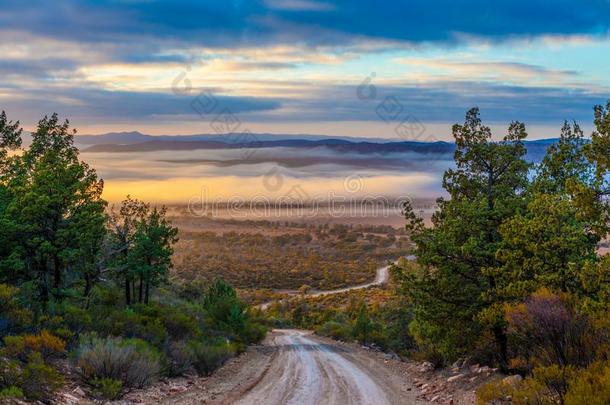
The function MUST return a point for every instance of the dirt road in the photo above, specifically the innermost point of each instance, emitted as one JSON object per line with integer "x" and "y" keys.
{"x": 382, "y": 276}
{"x": 296, "y": 367}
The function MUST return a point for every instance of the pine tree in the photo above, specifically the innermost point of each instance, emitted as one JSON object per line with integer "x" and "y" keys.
{"x": 451, "y": 289}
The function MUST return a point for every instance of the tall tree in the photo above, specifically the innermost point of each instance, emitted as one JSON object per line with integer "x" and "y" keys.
{"x": 143, "y": 247}
{"x": 10, "y": 140}
{"x": 599, "y": 149}
{"x": 58, "y": 210}
{"x": 123, "y": 226}
{"x": 564, "y": 162}
{"x": 451, "y": 290}
{"x": 151, "y": 255}
{"x": 550, "y": 243}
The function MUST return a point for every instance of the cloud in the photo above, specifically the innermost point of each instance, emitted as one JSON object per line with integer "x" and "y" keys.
{"x": 441, "y": 101}
{"x": 296, "y": 60}
{"x": 239, "y": 23}
{"x": 120, "y": 105}
{"x": 299, "y": 5}
{"x": 430, "y": 69}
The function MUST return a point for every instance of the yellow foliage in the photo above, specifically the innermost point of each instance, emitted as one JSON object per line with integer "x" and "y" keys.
{"x": 44, "y": 343}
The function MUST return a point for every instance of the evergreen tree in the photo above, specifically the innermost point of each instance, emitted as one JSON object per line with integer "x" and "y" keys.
{"x": 451, "y": 289}
{"x": 550, "y": 243}
{"x": 142, "y": 240}
{"x": 363, "y": 324}
{"x": 56, "y": 210}
{"x": 150, "y": 257}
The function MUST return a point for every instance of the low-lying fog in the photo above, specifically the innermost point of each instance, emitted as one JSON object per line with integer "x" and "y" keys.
{"x": 315, "y": 173}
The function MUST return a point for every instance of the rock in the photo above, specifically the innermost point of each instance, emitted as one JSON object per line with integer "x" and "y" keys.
{"x": 455, "y": 378}
{"x": 483, "y": 369}
{"x": 426, "y": 366}
{"x": 435, "y": 398}
{"x": 78, "y": 391}
{"x": 512, "y": 380}
{"x": 474, "y": 368}
{"x": 68, "y": 399}
{"x": 391, "y": 356}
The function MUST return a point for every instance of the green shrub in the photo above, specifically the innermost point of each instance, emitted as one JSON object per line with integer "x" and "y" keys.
{"x": 10, "y": 372}
{"x": 11, "y": 392}
{"x": 131, "y": 361}
{"x": 336, "y": 330}
{"x": 590, "y": 386}
{"x": 39, "y": 381}
{"x": 179, "y": 325}
{"x": 108, "y": 388}
{"x": 13, "y": 315}
{"x": 207, "y": 358}
{"x": 254, "y": 332}
{"x": 132, "y": 323}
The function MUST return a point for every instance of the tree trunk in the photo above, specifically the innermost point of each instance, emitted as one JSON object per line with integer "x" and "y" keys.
{"x": 56, "y": 274}
{"x": 141, "y": 286}
{"x": 87, "y": 285}
{"x": 147, "y": 292}
{"x": 502, "y": 343}
{"x": 127, "y": 290}
{"x": 44, "y": 289}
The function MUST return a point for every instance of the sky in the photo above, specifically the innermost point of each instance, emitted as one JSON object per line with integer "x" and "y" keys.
{"x": 390, "y": 69}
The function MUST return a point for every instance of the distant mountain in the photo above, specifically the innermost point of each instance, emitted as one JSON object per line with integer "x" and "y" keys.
{"x": 119, "y": 138}
{"x": 129, "y": 138}
{"x": 138, "y": 142}
{"x": 338, "y": 145}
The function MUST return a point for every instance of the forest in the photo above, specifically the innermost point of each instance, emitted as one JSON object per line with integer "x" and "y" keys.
{"x": 84, "y": 287}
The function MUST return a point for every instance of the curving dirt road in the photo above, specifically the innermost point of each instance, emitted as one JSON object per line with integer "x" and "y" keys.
{"x": 295, "y": 367}
{"x": 381, "y": 277}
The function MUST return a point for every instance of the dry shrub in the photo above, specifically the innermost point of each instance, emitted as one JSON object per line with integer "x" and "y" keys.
{"x": 547, "y": 330}
{"x": 45, "y": 343}
{"x": 130, "y": 361}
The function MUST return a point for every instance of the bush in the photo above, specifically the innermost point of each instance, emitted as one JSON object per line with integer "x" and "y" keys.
{"x": 10, "y": 372}
{"x": 546, "y": 330}
{"x": 39, "y": 381}
{"x": 11, "y": 392}
{"x": 207, "y": 358}
{"x": 179, "y": 358}
{"x": 335, "y": 330}
{"x": 44, "y": 343}
{"x": 179, "y": 325}
{"x": 13, "y": 316}
{"x": 254, "y": 332}
{"x": 108, "y": 388}
{"x": 590, "y": 386}
{"x": 131, "y": 323}
{"x": 131, "y": 361}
